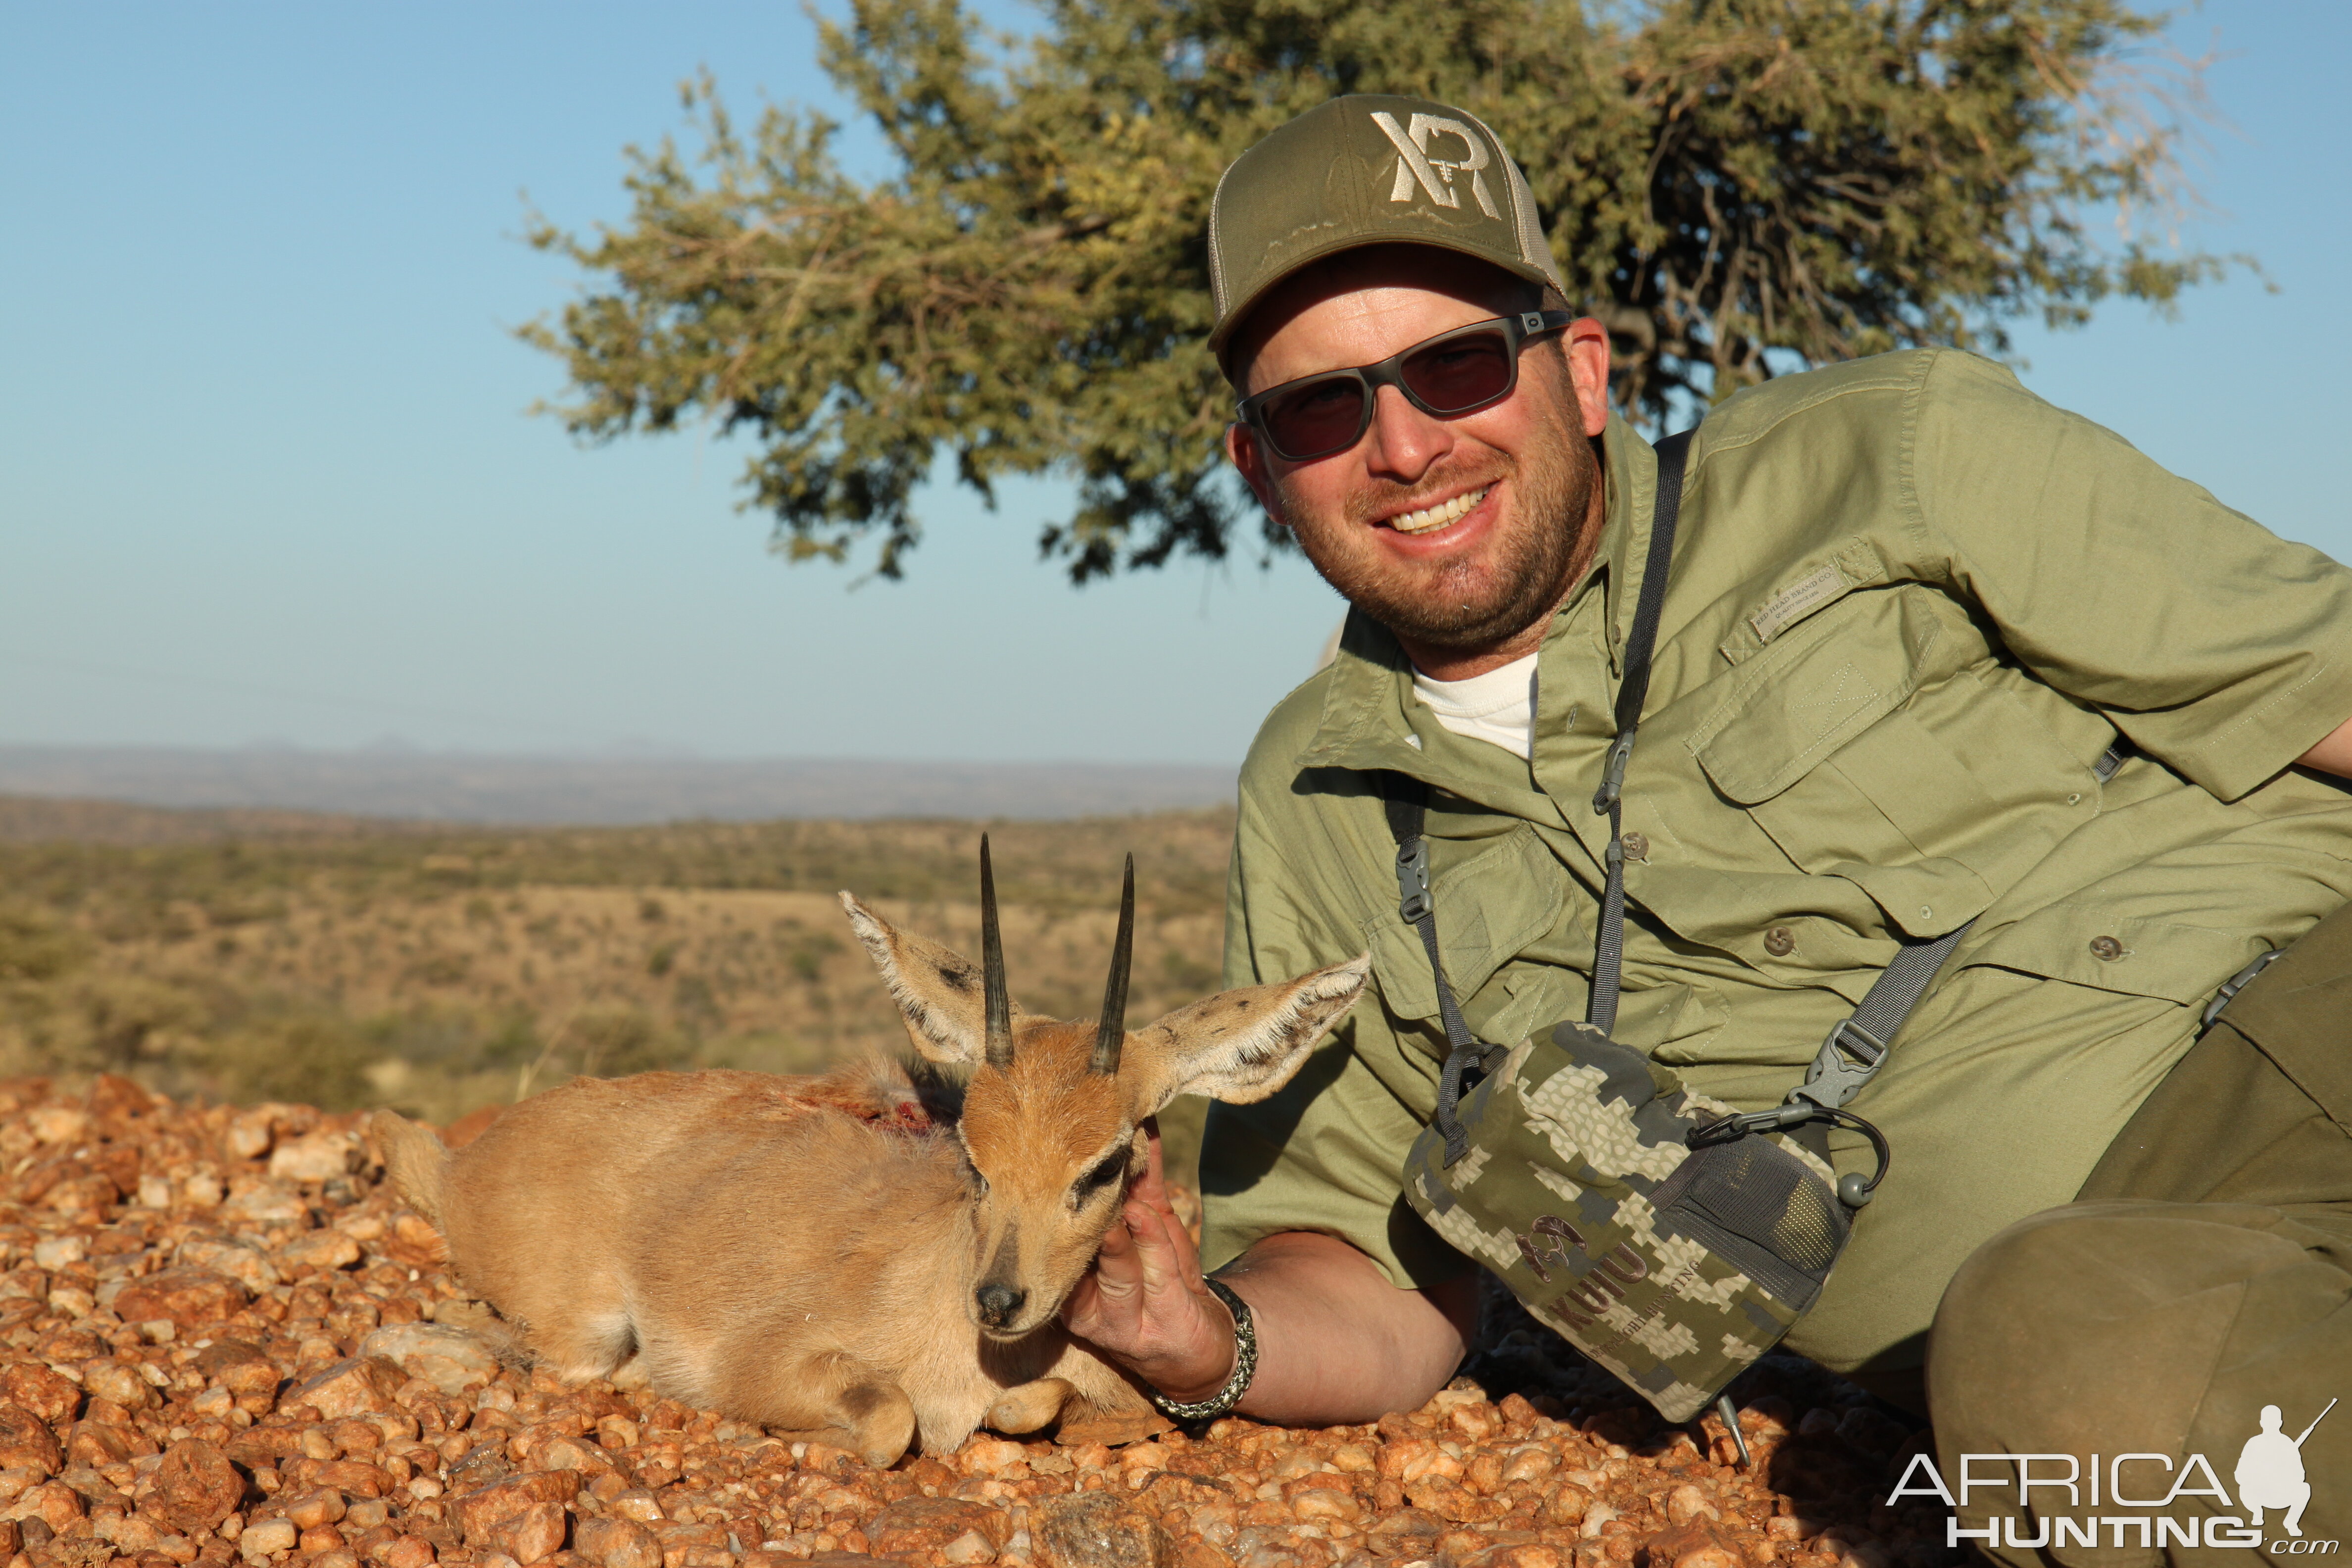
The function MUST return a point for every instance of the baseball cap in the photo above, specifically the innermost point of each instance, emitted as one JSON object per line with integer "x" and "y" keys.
{"x": 1367, "y": 169}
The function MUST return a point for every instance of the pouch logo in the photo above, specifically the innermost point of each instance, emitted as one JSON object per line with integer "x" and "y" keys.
{"x": 1543, "y": 1240}
{"x": 1434, "y": 175}
{"x": 2269, "y": 1474}
{"x": 1589, "y": 1298}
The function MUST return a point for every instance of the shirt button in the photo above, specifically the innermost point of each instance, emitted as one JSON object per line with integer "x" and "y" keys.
{"x": 2107, "y": 948}
{"x": 1779, "y": 941}
{"x": 1637, "y": 847}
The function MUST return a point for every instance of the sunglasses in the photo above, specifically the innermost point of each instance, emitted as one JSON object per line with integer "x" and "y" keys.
{"x": 1445, "y": 376}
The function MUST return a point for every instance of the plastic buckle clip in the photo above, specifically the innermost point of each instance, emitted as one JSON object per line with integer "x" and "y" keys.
{"x": 1613, "y": 778}
{"x": 2237, "y": 983}
{"x": 1845, "y": 1062}
{"x": 1855, "y": 1041}
{"x": 1730, "y": 1129}
{"x": 1413, "y": 879}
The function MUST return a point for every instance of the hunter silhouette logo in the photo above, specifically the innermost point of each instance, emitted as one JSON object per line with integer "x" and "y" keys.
{"x": 2270, "y": 1471}
{"x": 2111, "y": 1500}
{"x": 1434, "y": 174}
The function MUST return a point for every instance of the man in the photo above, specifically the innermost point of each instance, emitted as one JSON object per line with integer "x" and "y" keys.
{"x": 1931, "y": 652}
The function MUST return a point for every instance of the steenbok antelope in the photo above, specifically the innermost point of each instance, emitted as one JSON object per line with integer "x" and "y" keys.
{"x": 770, "y": 1248}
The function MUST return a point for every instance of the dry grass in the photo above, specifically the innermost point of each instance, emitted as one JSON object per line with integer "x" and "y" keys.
{"x": 334, "y": 961}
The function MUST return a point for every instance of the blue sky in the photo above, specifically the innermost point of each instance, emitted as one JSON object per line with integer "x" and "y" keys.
{"x": 267, "y": 475}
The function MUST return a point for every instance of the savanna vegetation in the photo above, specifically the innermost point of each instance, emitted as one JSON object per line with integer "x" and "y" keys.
{"x": 341, "y": 963}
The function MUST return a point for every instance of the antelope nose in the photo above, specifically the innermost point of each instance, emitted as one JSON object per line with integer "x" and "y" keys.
{"x": 998, "y": 1303}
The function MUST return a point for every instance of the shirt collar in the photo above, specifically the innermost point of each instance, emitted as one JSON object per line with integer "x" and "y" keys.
{"x": 1370, "y": 719}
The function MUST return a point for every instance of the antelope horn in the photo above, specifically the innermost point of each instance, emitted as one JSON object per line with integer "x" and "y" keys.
{"x": 1110, "y": 1030}
{"x": 999, "y": 1042}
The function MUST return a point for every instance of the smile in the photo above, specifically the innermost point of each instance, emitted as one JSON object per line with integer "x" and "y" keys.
{"x": 1430, "y": 518}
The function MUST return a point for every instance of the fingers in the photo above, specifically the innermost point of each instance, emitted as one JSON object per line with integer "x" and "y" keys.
{"x": 1120, "y": 1270}
{"x": 1106, "y": 1302}
{"x": 1085, "y": 1304}
{"x": 1152, "y": 1185}
{"x": 1143, "y": 1270}
{"x": 1168, "y": 1232}
{"x": 1156, "y": 1255}
{"x": 1151, "y": 1189}
{"x": 1188, "y": 1255}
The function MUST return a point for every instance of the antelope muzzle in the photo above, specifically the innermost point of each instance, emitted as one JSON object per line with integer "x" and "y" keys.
{"x": 997, "y": 1305}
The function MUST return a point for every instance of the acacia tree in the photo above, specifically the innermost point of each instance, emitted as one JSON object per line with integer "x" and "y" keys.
{"x": 1737, "y": 187}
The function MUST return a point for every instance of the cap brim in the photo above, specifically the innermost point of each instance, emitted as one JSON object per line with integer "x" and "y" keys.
{"x": 1221, "y": 337}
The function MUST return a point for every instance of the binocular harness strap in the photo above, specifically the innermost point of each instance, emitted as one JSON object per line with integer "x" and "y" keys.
{"x": 1609, "y": 955}
{"x": 1408, "y": 808}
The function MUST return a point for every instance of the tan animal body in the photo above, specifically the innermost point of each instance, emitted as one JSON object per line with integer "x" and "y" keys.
{"x": 815, "y": 1255}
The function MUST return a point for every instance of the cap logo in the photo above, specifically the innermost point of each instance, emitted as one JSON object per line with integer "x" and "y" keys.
{"x": 1434, "y": 175}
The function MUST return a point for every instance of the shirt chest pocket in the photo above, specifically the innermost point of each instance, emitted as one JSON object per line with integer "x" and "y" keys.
{"x": 1865, "y": 744}
{"x": 1491, "y": 906}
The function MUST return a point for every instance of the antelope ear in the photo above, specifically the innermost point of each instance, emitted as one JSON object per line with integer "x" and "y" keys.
{"x": 937, "y": 989}
{"x": 1242, "y": 1046}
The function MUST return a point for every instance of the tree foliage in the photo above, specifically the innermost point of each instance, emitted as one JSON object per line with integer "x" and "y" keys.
{"x": 1738, "y": 187}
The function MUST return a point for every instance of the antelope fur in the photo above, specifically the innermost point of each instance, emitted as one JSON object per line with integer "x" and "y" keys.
{"x": 770, "y": 1249}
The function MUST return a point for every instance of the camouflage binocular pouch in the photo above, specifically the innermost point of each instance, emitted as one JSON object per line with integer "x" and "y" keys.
{"x": 1673, "y": 1266}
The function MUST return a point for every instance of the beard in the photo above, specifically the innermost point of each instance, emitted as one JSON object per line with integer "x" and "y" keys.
{"x": 1467, "y": 603}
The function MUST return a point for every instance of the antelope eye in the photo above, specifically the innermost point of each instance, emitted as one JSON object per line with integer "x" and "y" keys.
{"x": 1106, "y": 1170}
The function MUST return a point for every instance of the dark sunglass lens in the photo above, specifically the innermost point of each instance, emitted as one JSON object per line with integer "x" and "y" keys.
{"x": 1319, "y": 416}
{"x": 1461, "y": 373}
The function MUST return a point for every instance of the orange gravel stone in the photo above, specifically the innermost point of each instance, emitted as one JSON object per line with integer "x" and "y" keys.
{"x": 187, "y": 1298}
{"x": 236, "y": 1342}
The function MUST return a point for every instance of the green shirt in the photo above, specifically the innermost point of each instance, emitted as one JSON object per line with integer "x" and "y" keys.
{"x": 1911, "y": 608}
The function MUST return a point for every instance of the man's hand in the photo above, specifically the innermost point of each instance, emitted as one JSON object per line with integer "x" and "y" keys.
{"x": 1143, "y": 1303}
{"x": 1337, "y": 1342}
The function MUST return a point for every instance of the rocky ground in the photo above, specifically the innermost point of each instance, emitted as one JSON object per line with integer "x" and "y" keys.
{"x": 221, "y": 1338}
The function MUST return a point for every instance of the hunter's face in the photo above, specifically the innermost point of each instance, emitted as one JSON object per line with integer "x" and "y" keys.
{"x": 1459, "y": 534}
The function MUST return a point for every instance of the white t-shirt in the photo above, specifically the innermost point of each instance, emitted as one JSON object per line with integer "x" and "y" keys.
{"x": 1498, "y": 707}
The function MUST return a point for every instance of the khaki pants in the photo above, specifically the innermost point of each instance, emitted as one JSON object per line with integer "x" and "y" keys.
{"x": 2204, "y": 1273}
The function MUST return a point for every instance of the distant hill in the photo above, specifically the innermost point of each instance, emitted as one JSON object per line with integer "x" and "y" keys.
{"x": 54, "y": 819}
{"x": 612, "y": 790}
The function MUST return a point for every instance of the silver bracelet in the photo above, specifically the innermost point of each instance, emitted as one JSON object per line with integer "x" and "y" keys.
{"x": 1244, "y": 1365}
